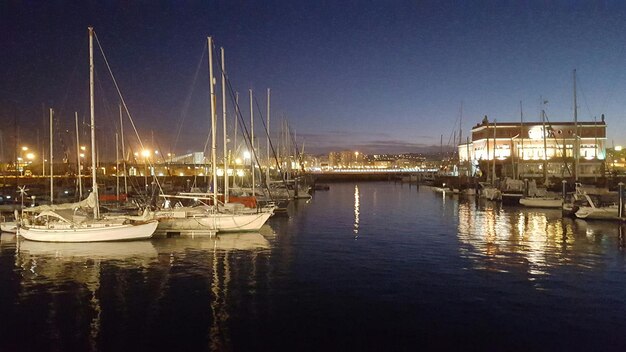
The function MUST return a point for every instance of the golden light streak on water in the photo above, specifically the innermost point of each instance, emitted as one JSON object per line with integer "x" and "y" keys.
{"x": 356, "y": 211}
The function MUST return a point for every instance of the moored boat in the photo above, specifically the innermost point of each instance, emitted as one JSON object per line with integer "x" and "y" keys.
{"x": 61, "y": 223}
{"x": 542, "y": 202}
{"x": 599, "y": 207}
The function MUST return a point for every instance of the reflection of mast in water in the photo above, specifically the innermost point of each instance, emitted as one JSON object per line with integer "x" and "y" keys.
{"x": 45, "y": 264}
{"x": 356, "y": 211}
{"x": 219, "y": 337}
{"x": 95, "y": 304}
{"x": 223, "y": 249}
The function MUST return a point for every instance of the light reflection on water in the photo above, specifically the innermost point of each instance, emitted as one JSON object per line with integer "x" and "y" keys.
{"x": 534, "y": 240}
{"x": 356, "y": 211}
{"x": 426, "y": 270}
{"x": 105, "y": 277}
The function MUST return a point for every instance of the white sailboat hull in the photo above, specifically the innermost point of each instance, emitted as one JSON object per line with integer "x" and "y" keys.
{"x": 95, "y": 233}
{"x": 602, "y": 213}
{"x": 9, "y": 226}
{"x": 539, "y": 202}
{"x": 213, "y": 223}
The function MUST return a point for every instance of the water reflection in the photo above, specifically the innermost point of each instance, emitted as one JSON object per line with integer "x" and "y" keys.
{"x": 356, "y": 211}
{"x": 135, "y": 282}
{"x": 53, "y": 267}
{"x": 531, "y": 241}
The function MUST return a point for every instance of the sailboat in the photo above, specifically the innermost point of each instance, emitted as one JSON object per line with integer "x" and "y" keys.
{"x": 535, "y": 198}
{"x": 62, "y": 223}
{"x": 213, "y": 217}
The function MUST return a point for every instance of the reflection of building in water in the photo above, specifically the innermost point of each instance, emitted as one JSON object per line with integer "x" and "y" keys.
{"x": 510, "y": 142}
{"x": 533, "y": 241}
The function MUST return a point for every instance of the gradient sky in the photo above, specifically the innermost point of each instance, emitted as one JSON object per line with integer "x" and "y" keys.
{"x": 377, "y": 76}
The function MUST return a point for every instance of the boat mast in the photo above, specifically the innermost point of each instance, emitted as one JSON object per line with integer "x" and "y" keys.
{"x": 80, "y": 181}
{"x": 545, "y": 146}
{"x": 51, "y": 160}
{"x": 595, "y": 142}
{"x": 576, "y": 147}
{"x": 224, "y": 127}
{"x": 252, "y": 141}
{"x": 267, "y": 127}
{"x": 96, "y": 208}
{"x": 469, "y": 159}
{"x": 521, "y": 133}
{"x": 123, "y": 151}
{"x": 117, "y": 167}
{"x": 488, "y": 154}
{"x": 213, "y": 121}
{"x": 235, "y": 146}
{"x": 493, "y": 173}
{"x": 460, "y": 141}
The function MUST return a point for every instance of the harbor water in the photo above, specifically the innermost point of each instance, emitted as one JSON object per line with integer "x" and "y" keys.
{"x": 365, "y": 266}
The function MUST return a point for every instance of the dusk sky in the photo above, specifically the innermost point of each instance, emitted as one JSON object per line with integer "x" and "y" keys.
{"x": 374, "y": 76}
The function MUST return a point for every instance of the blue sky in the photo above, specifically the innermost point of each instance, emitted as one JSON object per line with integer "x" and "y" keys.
{"x": 378, "y": 76}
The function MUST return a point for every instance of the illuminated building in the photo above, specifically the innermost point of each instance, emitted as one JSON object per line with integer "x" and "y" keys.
{"x": 521, "y": 150}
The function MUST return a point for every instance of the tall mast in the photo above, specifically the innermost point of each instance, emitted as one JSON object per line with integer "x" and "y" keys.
{"x": 51, "y": 160}
{"x": 545, "y": 146}
{"x": 595, "y": 141}
{"x": 521, "y": 134}
{"x": 493, "y": 170}
{"x": 123, "y": 151}
{"x": 441, "y": 148}
{"x": 117, "y": 167}
{"x": 94, "y": 182}
{"x": 469, "y": 160}
{"x": 80, "y": 177}
{"x": 576, "y": 146}
{"x": 236, "y": 122}
{"x": 252, "y": 141}
{"x": 269, "y": 159}
{"x": 461, "y": 125}
{"x": 213, "y": 121}
{"x": 224, "y": 127}
{"x": 487, "y": 134}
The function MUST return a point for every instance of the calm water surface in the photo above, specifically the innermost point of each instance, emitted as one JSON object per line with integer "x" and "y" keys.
{"x": 367, "y": 266}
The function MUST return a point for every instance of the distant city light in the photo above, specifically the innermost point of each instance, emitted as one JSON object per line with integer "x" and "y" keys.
{"x": 618, "y": 148}
{"x": 145, "y": 153}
